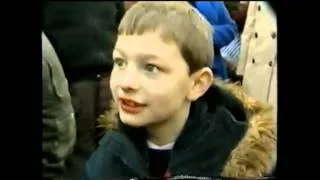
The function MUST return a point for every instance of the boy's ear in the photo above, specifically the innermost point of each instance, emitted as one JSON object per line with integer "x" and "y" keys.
{"x": 201, "y": 82}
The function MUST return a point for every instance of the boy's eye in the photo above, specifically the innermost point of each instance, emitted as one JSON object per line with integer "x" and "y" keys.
{"x": 119, "y": 62}
{"x": 151, "y": 68}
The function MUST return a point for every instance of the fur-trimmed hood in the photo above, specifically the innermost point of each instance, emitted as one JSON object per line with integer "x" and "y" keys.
{"x": 255, "y": 155}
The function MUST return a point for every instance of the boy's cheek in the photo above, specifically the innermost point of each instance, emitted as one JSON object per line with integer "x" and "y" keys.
{"x": 113, "y": 88}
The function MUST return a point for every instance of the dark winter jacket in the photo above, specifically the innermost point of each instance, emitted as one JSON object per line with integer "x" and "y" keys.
{"x": 227, "y": 134}
{"x": 58, "y": 123}
{"x": 83, "y": 34}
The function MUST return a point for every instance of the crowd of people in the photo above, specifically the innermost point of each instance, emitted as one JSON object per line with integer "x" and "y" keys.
{"x": 137, "y": 89}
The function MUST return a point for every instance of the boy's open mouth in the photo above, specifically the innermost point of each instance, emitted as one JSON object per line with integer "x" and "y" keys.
{"x": 131, "y": 106}
{"x": 131, "y": 103}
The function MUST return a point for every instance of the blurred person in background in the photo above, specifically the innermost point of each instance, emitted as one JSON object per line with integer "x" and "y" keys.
{"x": 83, "y": 35}
{"x": 231, "y": 52}
{"x": 58, "y": 123}
{"x": 225, "y": 30}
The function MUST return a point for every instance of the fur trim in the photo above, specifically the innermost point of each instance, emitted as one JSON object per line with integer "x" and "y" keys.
{"x": 256, "y": 153}
{"x": 108, "y": 120}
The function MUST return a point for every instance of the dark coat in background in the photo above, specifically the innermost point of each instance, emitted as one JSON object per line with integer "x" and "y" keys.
{"x": 84, "y": 34}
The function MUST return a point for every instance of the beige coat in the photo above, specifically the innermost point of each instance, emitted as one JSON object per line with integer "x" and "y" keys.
{"x": 258, "y": 56}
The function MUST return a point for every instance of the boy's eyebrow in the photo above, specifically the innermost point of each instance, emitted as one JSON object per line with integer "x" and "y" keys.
{"x": 121, "y": 53}
{"x": 141, "y": 56}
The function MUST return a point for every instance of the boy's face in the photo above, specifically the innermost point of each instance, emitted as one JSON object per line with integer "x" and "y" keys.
{"x": 149, "y": 80}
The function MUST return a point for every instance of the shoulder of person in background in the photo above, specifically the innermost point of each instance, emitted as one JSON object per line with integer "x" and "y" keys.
{"x": 83, "y": 34}
{"x": 58, "y": 122}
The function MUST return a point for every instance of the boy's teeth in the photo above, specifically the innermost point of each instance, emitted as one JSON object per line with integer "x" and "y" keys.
{"x": 131, "y": 103}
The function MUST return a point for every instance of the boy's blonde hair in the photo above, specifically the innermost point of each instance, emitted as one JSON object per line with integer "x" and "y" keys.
{"x": 178, "y": 22}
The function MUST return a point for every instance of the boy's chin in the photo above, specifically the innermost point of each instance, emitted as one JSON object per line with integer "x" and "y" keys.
{"x": 132, "y": 121}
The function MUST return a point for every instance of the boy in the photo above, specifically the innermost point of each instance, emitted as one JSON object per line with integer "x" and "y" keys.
{"x": 169, "y": 120}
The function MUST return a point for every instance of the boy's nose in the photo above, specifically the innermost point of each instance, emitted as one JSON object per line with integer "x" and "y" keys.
{"x": 129, "y": 82}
